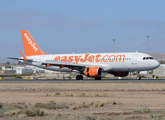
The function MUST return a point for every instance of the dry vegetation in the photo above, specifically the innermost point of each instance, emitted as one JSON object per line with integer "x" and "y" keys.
{"x": 82, "y": 101}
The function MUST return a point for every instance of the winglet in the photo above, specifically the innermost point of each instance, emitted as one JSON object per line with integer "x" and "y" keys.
{"x": 23, "y": 55}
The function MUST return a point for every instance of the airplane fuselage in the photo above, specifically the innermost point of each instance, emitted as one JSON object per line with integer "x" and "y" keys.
{"x": 108, "y": 61}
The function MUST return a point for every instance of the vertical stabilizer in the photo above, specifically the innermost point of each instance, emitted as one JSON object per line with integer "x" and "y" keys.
{"x": 30, "y": 46}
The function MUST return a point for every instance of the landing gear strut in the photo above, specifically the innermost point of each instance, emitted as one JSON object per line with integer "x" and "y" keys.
{"x": 138, "y": 76}
{"x": 79, "y": 77}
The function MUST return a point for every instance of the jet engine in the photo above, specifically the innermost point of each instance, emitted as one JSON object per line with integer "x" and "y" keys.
{"x": 120, "y": 73}
{"x": 93, "y": 72}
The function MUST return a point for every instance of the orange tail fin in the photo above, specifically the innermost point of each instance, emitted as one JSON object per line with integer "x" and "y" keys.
{"x": 30, "y": 46}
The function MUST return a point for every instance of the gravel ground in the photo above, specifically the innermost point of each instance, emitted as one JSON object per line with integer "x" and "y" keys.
{"x": 128, "y": 97}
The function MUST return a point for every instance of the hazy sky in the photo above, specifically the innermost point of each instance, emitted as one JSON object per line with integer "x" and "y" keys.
{"x": 80, "y": 26}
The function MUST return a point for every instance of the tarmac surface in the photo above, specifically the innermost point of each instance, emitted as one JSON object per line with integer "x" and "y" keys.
{"x": 82, "y": 81}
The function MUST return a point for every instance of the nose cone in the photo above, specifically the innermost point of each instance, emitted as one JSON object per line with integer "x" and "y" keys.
{"x": 156, "y": 64}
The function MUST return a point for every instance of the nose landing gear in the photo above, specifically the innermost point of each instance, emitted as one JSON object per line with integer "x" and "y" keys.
{"x": 138, "y": 76}
{"x": 79, "y": 77}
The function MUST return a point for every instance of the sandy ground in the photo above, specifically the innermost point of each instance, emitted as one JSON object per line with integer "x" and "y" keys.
{"x": 128, "y": 96}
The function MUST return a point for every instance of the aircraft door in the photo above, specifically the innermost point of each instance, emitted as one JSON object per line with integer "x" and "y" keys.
{"x": 134, "y": 59}
{"x": 42, "y": 58}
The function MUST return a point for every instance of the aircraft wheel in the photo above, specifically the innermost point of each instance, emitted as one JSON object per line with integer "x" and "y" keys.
{"x": 81, "y": 77}
{"x": 78, "y": 77}
{"x": 98, "y": 78}
{"x": 138, "y": 78}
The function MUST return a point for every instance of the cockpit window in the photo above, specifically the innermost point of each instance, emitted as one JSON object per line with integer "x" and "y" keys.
{"x": 147, "y": 58}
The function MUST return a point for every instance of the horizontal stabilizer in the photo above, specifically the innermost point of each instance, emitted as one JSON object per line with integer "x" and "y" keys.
{"x": 28, "y": 60}
{"x": 15, "y": 58}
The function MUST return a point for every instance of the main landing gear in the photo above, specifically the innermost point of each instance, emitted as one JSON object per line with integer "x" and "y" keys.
{"x": 79, "y": 77}
{"x": 98, "y": 78}
{"x": 138, "y": 76}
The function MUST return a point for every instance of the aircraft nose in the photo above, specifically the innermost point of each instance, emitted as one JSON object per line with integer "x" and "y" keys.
{"x": 156, "y": 64}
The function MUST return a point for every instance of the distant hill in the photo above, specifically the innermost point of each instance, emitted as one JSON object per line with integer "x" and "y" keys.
{"x": 158, "y": 56}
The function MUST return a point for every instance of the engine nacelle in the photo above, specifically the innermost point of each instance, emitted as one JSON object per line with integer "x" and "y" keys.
{"x": 120, "y": 73}
{"x": 93, "y": 72}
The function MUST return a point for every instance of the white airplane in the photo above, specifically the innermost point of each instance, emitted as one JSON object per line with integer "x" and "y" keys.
{"x": 89, "y": 64}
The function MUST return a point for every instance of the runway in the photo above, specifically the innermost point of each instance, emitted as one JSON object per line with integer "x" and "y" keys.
{"x": 82, "y": 81}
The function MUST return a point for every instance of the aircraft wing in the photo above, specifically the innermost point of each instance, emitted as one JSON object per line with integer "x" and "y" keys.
{"x": 65, "y": 64}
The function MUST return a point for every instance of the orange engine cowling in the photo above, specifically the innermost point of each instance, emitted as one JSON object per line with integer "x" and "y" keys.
{"x": 121, "y": 74}
{"x": 93, "y": 71}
